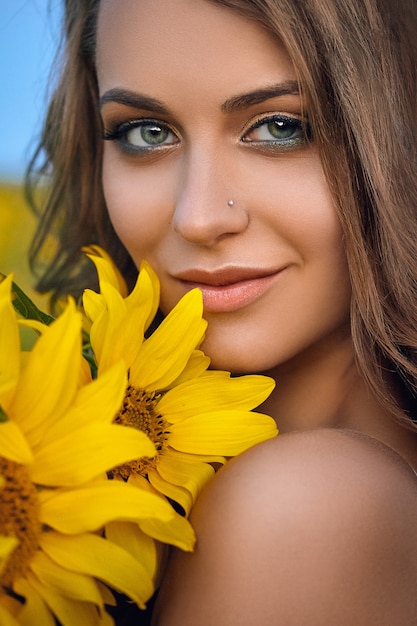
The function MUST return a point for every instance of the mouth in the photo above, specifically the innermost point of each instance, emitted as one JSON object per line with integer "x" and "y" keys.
{"x": 229, "y": 289}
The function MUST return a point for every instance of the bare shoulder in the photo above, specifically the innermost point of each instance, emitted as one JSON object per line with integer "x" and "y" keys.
{"x": 326, "y": 462}
{"x": 314, "y": 528}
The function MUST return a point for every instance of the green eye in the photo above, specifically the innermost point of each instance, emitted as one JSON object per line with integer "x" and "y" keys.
{"x": 148, "y": 135}
{"x": 142, "y": 135}
{"x": 279, "y": 130}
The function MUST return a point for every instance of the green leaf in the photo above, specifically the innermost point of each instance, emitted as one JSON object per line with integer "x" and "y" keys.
{"x": 26, "y": 307}
{"x": 88, "y": 354}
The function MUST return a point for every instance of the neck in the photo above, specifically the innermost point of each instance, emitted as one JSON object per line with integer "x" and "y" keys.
{"x": 325, "y": 389}
{"x": 312, "y": 389}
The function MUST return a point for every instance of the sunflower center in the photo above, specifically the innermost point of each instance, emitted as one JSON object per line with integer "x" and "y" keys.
{"x": 19, "y": 517}
{"x": 139, "y": 410}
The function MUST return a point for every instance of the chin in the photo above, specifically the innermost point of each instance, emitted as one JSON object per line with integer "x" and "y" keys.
{"x": 235, "y": 360}
{"x": 235, "y": 370}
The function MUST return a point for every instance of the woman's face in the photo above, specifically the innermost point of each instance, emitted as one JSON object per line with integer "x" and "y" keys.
{"x": 200, "y": 107}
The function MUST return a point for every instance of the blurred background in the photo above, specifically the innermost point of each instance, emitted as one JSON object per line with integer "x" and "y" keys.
{"x": 29, "y": 36}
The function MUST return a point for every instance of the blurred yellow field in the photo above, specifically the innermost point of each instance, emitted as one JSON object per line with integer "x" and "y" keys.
{"x": 17, "y": 225}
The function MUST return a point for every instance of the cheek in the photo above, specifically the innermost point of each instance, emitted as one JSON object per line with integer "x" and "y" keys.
{"x": 137, "y": 205}
{"x": 300, "y": 210}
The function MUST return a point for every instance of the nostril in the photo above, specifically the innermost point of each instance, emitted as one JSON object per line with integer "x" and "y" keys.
{"x": 206, "y": 221}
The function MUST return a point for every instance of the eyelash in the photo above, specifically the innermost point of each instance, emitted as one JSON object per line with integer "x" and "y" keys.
{"x": 119, "y": 134}
{"x": 299, "y": 133}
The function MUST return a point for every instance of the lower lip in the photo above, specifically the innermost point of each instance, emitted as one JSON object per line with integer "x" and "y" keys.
{"x": 226, "y": 298}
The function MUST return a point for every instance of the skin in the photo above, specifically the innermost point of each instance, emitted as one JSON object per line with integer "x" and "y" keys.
{"x": 171, "y": 207}
{"x": 315, "y": 551}
{"x": 314, "y": 528}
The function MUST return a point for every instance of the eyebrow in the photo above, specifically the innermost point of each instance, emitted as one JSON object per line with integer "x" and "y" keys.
{"x": 235, "y": 103}
{"x": 132, "y": 99}
{"x": 246, "y": 100}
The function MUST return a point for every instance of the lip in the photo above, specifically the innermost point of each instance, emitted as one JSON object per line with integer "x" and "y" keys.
{"x": 229, "y": 289}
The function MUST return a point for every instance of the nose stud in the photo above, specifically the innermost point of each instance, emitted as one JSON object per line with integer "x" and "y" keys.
{"x": 230, "y": 202}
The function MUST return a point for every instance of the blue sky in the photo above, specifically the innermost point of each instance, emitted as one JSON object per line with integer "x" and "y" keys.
{"x": 29, "y": 32}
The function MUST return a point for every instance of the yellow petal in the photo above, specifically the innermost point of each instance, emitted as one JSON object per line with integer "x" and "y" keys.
{"x": 139, "y": 310}
{"x": 181, "y": 479}
{"x": 164, "y": 355}
{"x": 98, "y": 401}
{"x": 39, "y": 327}
{"x": 101, "y": 503}
{"x": 10, "y": 345}
{"x": 197, "y": 458}
{"x": 222, "y": 432}
{"x": 85, "y": 373}
{"x": 94, "y": 556}
{"x": 175, "y": 492}
{"x": 196, "y": 365}
{"x": 34, "y": 610}
{"x": 145, "y": 267}
{"x": 219, "y": 390}
{"x": 106, "y": 268}
{"x": 69, "y": 612}
{"x": 129, "y": 536}
{"x": 66, "y": 583}
{"x": 13, "y": 445}
{"x": 6, "y": 618}
{"x": 93, "y": 304}
{"x": 105, "y": 393}
{"x": 105, "y": 329}
{"x": 189, "y": 474}
{"x": 106, "y": 271}
{"x": 11, "y": 605}
{"x": 178, "y": 533}
{"x": 87, "y": 452}
{"x": 106, "y": 620}
{"x": 48, "y": 383}
{"x": 106, "y": 594}
{"x": 7, "y": 545}
{"x": 119, "y": 331}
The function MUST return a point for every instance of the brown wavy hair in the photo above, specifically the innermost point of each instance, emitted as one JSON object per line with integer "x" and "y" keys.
{"x": 356, "y": 63}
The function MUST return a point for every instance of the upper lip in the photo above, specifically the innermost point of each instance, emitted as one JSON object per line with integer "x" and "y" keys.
{"x": 223, "y": 276}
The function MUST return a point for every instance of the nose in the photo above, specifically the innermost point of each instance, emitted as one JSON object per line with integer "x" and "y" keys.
{"x": 209, "y": 207}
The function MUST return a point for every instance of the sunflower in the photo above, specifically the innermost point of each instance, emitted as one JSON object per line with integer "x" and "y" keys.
{"x": 194, "y": 416}
{"x": 57, "y": 441}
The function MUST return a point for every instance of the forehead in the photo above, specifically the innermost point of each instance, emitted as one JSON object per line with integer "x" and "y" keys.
{"x": 181, "y": 41}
